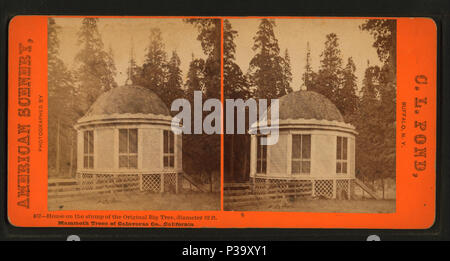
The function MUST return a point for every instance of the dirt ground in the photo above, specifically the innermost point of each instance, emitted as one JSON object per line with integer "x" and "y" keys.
{"x": 329, "y": 206}
{"x": 140, "y": 201}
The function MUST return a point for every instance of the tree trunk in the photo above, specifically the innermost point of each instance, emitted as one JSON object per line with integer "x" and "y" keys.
{"x": 231, "y": 155}
{"x": 373, "y": 186}
{"x": 210, "y": 181}
{"x": 245, "y": 173}
{"x": 71, "y": 154}
{"x": 58, "y": 148}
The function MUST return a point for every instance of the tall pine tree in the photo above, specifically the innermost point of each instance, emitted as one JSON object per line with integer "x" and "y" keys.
{"x": 236, "y": 147}
{"x": 202, "y": 151}
{"x": 62, "y": 112}
{"x": 309, "y": 77}
{"x": 235, "y": 83}
{"x": 153, "y": 73}
{"x": 384, "y": 33}
{"x": 266, "y": 67}
{"x": 195, "y": 77}
{"x": 134, "y": 71}
{"x": 329, "y": 78}
{"x": 173, "y": 87}
{"x": 287, "y": 74}
{"x": 348, "y": 100}
{"x": 369, "y": 146}
{"x": 95, "y": 68}
{"x": 209, "y": 35}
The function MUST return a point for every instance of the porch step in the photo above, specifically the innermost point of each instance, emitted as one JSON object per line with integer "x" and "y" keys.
{"x": 366, "y": 188}
{"x": 191, "y": 180}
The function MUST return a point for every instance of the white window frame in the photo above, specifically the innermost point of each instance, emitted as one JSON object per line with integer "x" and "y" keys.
{"x": 300, "y": 159}
{"x": 168, "y": 154}
{"x": 128, "y": 153}
{"x": 89, "y": 153}
{"x": 261, "y": 160}
{"x": 343, "y": 160}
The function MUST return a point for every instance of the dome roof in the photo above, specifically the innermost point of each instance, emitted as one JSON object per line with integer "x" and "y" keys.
{"x": 128, "y": 99}
{"x": 308, "y": 105}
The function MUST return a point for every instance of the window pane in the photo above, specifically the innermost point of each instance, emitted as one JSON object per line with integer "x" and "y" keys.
{"x": 166, "y": 161}
{"x": 85, "y": 142}
{"x": 344, "y": 167}
{"x": 296, "y": 146}
{"x": 306, "y": 167}
{"x": 344, "y": 148}
{"x": 166, "y": 141}
{"x": 132, "y": 161}
{"x": 264, "y": 152}
{"x": 171, "y": 161}
{"x": 171, "y": 141}
{"x": 133, "y": 141}
{"x": 295, "y": 166}
{"x": 306, "y": 146}
{"x": 338, "y": 167}
{"x": 91, "y": 141}
{"x": 258, "y": 151}
{"x": 123, "y": 161}
{"x": 338, "y": 148}
{"x": 263, "y": 166}
{"x": 123, "y": 141}
{"x": 261, "y": 149}
{"x": 258, "y": 166}
{"x": 91, "y": 162}
{"x": 86, "y": 162}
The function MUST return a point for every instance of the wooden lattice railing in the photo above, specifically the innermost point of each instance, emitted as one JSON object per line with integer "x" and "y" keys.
{"x": 274, "y": 192}
{"x": 279, "y": 191}
{"x": 88, "y": 184}
{"x": 366, "y": 188}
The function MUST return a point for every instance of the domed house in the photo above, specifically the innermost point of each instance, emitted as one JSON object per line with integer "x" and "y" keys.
{"x": 315, "y": 150}
{"x": 125, "y": 140}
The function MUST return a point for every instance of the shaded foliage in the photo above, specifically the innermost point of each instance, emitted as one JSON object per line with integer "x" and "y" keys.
{"x": 376, "y": 147}
{"x": 61, "y": 108}
{"x": 174, "y": 82}
{"x": 201, "y": 152}
{"x": 348, "y": 101}
{"x": 329, "y": 77}
{"x": 236, "y": 147}
{"x": 266, "y": 73}
{"x": 95, "y": 69}
{"x": 153, "y": 72}
{"x": 309, "y": 77}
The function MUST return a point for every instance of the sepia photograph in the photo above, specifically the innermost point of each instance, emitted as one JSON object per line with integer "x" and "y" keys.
{"x": 325, "y": 88}
{"x": 111, "y": 83}
{"x": 333, "y": 82}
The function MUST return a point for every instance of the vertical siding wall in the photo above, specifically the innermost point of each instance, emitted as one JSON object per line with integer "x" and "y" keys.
{"x": 352, "y": 154}
{"x": 104, "y": 148}
{"x": 323, "y": 155}
{"x": 80, "y": 149}
{"x": 252, "y": 155}
{"x": 277, "y": 156}
{"x": 151, "y": 149}
{"x": 178, "y": 152}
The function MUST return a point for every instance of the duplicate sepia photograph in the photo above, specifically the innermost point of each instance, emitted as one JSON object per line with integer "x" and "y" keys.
{"x": 335, "y": 82}
{"x": 111, "y": 83}
{"x": 326, "y": 87}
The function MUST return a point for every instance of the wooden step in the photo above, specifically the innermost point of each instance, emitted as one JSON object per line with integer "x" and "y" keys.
{"x": 366, "y": 188}
{"x": 191, "y": 180}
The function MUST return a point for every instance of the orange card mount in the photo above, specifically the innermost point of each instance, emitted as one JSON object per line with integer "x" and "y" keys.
{"x": 90, "y": 142}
